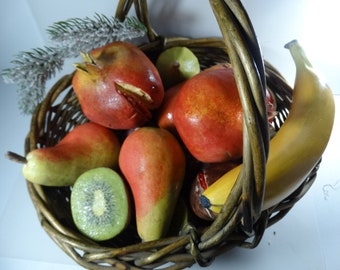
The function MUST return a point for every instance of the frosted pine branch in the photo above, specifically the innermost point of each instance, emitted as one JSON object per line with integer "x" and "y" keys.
{"x": 81, "y": 34}
{"x": 32, "y": 69}
{"x": 30, "y": 72}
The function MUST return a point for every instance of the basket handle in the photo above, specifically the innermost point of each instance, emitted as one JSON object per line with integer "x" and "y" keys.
{"x": 246, "y": 58}
{"x": 142, "y": 13}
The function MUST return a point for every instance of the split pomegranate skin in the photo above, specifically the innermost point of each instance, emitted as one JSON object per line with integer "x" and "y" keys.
{"x": 117, "y": 86}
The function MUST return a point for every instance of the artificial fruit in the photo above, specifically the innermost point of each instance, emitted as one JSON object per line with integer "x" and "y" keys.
{"x": 176, "y": 65}
{"x": 85, "y": 147}
{"x": 164, "y": 115}
{"x": 297, "y": 146}
{"x": 100, "y": 203}
{"x": 117, "y": 86}
{"x": 208, "y": 115}
{"x": 206, "y": 176}
{"x": 153, "y": 162}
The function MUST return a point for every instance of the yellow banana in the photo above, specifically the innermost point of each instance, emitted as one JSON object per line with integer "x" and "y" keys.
{"x": 297, "y": 146}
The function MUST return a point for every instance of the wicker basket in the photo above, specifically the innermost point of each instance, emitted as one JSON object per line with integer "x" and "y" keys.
{"x": 242, "y": 222}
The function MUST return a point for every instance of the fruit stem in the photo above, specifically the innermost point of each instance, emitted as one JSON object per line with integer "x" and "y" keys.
{"x": 16, "y": 157}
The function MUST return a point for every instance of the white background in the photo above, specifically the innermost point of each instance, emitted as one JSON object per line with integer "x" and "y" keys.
{"x": 307, "y": 238}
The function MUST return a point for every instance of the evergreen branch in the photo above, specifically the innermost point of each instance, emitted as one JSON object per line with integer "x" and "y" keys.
{"x": 33, "y": 68}
{"x": 81, "y": 34}
{"x": 30, "y": 72}
{"x": 29, "y": 65}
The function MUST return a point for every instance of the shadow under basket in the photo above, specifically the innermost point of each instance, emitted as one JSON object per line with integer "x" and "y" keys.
{"x": 242, "y": 223}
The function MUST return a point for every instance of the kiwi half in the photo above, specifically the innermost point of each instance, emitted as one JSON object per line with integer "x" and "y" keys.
{"x": 100, "y": 204}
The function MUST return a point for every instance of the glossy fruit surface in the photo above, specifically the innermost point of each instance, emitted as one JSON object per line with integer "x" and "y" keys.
{"x": 208, "y": 115}
{"x": 297, "y": 146}
{"x": 164, "y": 115}
{"x": 176, "y": 65}
{"x": 153, "y": 163}
{"x": 117, "y": 86}
{"x": 85, "y": 147}
{"x": 206, "y": 176}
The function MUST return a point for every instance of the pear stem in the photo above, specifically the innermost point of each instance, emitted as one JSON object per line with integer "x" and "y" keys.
{"x": 16, "y": 157}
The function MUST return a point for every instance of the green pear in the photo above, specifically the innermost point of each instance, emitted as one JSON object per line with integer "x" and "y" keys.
{"x": 176, "y": 65}
{"x": 85, "y": 147}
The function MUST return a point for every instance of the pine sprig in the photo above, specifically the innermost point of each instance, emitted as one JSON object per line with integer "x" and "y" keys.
{"x": 30, "y": 73}
{"x": 32, "y": 69}
{"x": 77, "y": 33}
{"x": 34, "y": 66}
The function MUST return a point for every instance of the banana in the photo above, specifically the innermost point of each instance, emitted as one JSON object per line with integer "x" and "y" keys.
{"x": 297, "y": 146}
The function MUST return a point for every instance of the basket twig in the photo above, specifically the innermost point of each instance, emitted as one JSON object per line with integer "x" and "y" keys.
{"x": 141, "y": 9}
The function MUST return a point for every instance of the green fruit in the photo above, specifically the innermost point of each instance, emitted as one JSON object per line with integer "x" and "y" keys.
{"x": 85, "y": 147}
{"x": 100, "y": 204}
{"x": 176, "y": 65}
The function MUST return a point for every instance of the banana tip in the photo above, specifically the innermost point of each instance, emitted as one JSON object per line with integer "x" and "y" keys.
{"x": 291, "y": 43}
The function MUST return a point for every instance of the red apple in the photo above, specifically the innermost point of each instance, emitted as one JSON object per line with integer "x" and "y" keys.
{"x": 208, "y": 115}
{"x": 117, "y": 85}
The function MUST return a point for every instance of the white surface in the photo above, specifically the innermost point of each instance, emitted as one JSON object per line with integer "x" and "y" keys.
{"x": 307, "y": 238}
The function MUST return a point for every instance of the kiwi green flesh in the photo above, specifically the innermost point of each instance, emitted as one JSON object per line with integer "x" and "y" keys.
{"x": 100, "y": 204}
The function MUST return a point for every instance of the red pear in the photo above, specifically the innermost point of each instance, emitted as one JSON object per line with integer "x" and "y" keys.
{"x": 117, "y": 86}
{"x": 153, "y": 162}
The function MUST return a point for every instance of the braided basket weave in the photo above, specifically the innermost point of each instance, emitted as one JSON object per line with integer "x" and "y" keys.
{"x": 242, "y": 222}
